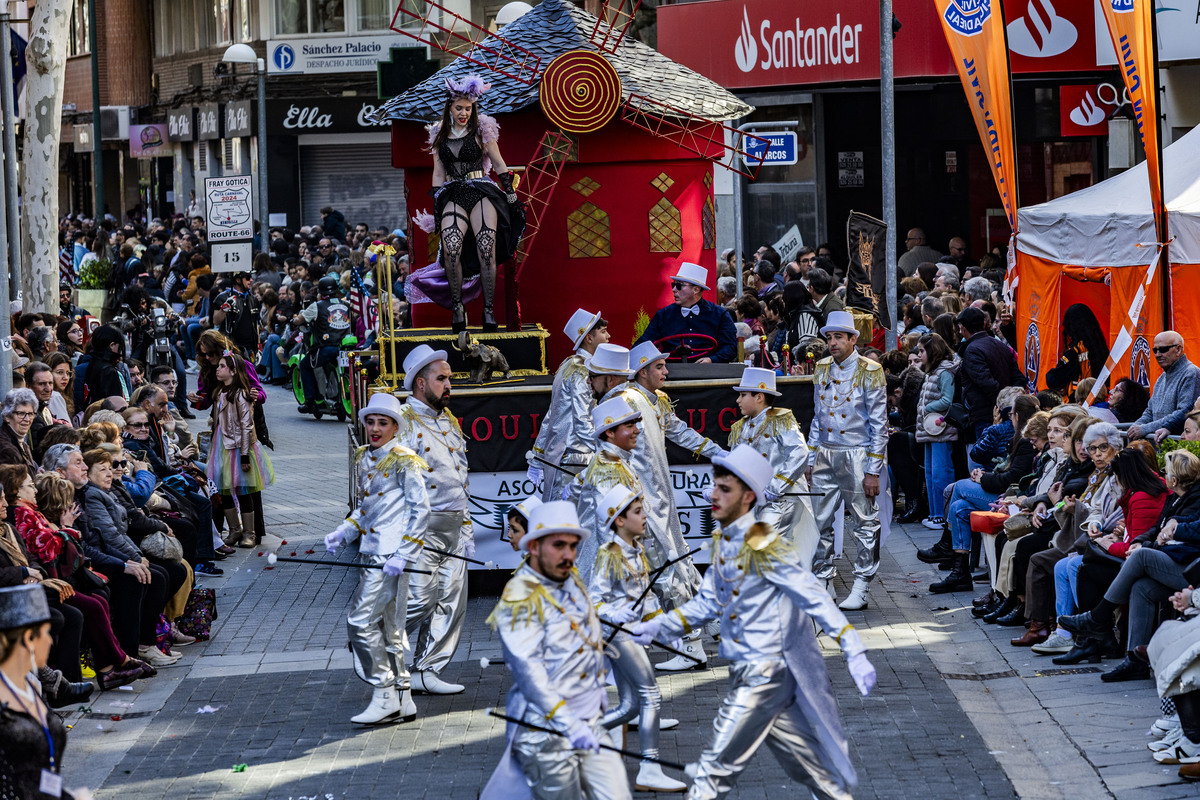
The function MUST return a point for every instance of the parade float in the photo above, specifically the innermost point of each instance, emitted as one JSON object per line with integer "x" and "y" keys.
{"x": 615, "y": 146}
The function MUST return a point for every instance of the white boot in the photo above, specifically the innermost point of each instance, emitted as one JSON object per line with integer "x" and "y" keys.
{"x": 650, "y": 778}
{"x": 385, "y": 707}
{"x": 857, "y": 599}
{"x": 408, "y": 709}
{"x": 430, "y": 683}
{"x": 678, "y": 664}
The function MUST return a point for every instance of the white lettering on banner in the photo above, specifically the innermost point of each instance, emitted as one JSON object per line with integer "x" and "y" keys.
{"x": 236, "y": 118}
{"x": 310, "y": 117}
{"x": 797, "y": 46}
{"x": 208, "y": 122}
{"x": 364, "y": 117}
{"x": 180, "y": 125}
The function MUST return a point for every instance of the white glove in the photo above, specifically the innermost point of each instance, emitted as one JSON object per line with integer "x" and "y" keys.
{"x": 394, "y": 565}
{"x": 566, "y": 492}
{"x": 469, "y": 548}
{"x": 621, "y": 615}
{"x": 583, "y": 737}
{"x": 534, "y": 473}
{"x": 862, "y": 672}
{"x": 770, "y": 496}
{"x": 333, "y": 541}
{"x": 644, "y": 632}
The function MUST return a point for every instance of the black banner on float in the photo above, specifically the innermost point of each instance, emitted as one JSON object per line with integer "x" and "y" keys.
{"x": 866, "y": 277}
{"x": 501, "y": 427}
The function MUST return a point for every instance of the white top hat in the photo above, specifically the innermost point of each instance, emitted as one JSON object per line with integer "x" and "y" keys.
{"x": 643, "y": 355}
{"x": 557, "y": 516}
{"x": 751, "y": 466}
{"x": 692, "y": 273}
{"x": 609, "y": 359}
{"x": 381, "y": 403}
{"x": 580, "y": 325}
{"x": 839, "y": 321}
{"x": 614, "y": 503}
{"x": 417, "y": 359}
{"x": 526, "y": 506}
{"x": 611, "y": 413}
{"x": 757, "y": 379}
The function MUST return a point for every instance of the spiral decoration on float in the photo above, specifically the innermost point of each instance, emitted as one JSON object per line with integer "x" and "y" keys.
{"x": 580, "y": 91}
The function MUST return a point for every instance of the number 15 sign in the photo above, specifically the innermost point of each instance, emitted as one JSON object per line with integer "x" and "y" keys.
{"x": 230, "y": 220}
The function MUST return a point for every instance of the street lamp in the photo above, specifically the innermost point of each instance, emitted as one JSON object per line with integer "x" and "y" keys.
{"x": 244, "y": 54}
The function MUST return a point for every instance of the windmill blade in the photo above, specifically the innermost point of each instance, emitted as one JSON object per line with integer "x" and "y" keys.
{"x": 694, "y": 133}
{"x": 437, "y": 26}
{"x": 541, "y": 178}
{"x": 612, "y": 24}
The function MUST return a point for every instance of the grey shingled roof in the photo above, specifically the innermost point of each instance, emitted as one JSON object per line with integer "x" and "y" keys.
{"x": 555, "y": 27}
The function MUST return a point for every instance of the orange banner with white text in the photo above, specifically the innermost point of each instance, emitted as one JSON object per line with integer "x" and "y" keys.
{"x": 1131, "y": 26}
{"x": 975, "y": 33}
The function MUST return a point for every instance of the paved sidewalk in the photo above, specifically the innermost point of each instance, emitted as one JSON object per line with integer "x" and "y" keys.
{"x": 277, "y": 675}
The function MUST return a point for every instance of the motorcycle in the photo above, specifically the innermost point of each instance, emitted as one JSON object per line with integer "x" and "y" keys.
{"x": 333, "y": 383}
{"x": 158, "y": 327}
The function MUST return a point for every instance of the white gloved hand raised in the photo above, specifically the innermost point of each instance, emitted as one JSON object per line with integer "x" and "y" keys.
{"x": 644, "y": 632}
{"x": 621, "y": 615}
{"x": 863, "y": 673}
{"x": 583, "y": 737}
{"x": 394, "y": 565}
{"x": 333, "y": 541}
{"x": 469, "y": 548}
{"x": 534, "y": 473}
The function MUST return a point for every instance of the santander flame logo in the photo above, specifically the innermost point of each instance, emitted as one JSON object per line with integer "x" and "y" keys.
{"x": 1041, "y": 33}
{"x": 745, "y": 51}
{"x": 1087, "y": 113}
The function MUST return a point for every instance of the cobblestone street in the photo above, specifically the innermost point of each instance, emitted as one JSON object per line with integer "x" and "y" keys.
{"x": 957, "y": 712}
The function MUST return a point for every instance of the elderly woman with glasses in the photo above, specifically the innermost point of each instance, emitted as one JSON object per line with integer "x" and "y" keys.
{"x": 18, "y": 410}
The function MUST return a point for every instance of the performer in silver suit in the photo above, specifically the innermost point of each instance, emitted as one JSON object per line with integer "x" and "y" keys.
{"x": 618, "y": 589}
{"x": 847, "y": 444}
{"x": 390, "y": 520}
{"x": 437, "y": 603}
{"x": 660, "y": 423}
{"x": 779, "y": 691}
{"x": 617, "y": 433}
{"x": 776, "y": 434}
{"x": 554, "y": 646}
{"x": 565, "y": 436}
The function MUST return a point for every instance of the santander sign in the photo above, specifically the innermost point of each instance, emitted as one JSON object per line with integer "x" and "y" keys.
{"x": 793, "y": 46}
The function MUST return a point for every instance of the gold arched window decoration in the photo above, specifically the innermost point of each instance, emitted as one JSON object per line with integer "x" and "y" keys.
{"x": 588, "y": 233}
{"x": 708, "y": 223}
{"x": 666, "y": 228}
{"x": 432, "y": 242}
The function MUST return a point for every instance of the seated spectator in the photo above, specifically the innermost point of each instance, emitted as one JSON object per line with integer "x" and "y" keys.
{"x": 992, "y": 445}
{"x": 18, "y": 410}
{"x": 1175, "y": 390}
{"x": 1128, "y": 399}
{"x": 1172, "y": 652}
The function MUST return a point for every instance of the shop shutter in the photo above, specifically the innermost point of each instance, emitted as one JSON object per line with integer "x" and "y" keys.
{"x": 356, "y": 179}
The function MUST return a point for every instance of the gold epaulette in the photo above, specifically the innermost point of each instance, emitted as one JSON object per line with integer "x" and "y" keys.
{"x": 762, "y": 546}
{"x": 401, "y": 458}
{"x": 869, "y": 374}
{"x": 665, "y": 406}
{"x": 602, "y": 470}
{"x": 358, "y": 451}
{"x": 821, "y": 370}
{"x": 520, "y": 601}
{"x": 572, "y": 367}
{"x": 735, "y": 431}
{"x": 611, "y": 563}
{"x": 780, "y": 419}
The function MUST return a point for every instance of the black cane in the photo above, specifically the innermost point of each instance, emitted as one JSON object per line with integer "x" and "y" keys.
{"x": 618, "y": 629}
{"x": 803, "y": 494}
{"x": 554, "y": 466}
{"x": 654, "y": 576}
{"x": 272, "y": 558}
{"x": 488, "y": 564}
{"x": 494, "y": 713}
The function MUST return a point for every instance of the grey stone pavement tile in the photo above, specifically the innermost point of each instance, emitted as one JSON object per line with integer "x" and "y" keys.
{"x": 277, "y": 673}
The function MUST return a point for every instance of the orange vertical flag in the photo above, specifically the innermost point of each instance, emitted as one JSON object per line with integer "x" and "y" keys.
{"x": 975, "y": 33}
{"x": 1131, "y": 26}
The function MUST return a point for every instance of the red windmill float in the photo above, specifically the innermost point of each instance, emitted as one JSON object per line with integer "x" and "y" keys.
{"x": 623, "y": 139}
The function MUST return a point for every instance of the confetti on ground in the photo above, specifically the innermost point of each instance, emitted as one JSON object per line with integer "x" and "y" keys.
{"x": 115, "y": 717}
{"x": 208, "y": 709}
{"x": 308, "y": 552}
{"x": 239, "y": 767}
{"x": 284, "y": 541}
{"x": 125, "y": 688}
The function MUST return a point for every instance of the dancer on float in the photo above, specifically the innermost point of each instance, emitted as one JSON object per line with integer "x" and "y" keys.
{"x": 565, "y": 437}
{"x": 391, "y": 520}
{"x": 779, "y": 691}
{"x": 480, "y": 223}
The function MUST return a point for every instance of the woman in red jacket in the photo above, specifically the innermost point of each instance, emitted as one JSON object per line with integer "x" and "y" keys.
{"x": 1086, "y": 575}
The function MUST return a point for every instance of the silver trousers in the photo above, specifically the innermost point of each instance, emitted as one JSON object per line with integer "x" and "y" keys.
{"x": 760, "y": 706}
{"x": 793, "y": 518}
{"x": 437, "y": 603}
{"x": 637, "y": 692}
{"x": 838, "y": 472}
{"x": 556, "y": 771}
{"x": 377, "y": 640}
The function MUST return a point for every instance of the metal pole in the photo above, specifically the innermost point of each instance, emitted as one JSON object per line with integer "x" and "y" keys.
{"x": 887, "y": 91}
{"x": 263, "y": 206}
{"x": 97, "y": 161}
{"x": 5, "y": 251}
{"x": 8, "y": 106}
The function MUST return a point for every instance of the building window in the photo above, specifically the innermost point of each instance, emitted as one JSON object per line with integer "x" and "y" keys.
{"x": 588, "y": 233}
{"x": 666, "y": 229}
{"x": 187, "y": 26}
{"x": 310, "y": 16}
{"x": 375, "y": 15}
{"x": 708, "y": 223}
{"x": 77, "y": 41}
